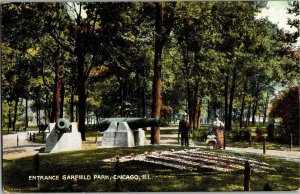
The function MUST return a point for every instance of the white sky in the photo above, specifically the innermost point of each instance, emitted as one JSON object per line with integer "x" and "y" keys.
{"x": 276, "y": 12}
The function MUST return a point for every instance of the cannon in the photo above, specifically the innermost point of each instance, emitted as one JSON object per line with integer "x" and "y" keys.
{"x": 63, "y": 126}
{"x": 133, "y": 123}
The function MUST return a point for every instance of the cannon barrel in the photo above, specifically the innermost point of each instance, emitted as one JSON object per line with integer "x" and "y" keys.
{"x": 133, "y": 123}
{"x": 63, "y": 126}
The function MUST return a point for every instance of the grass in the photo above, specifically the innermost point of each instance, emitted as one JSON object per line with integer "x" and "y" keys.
{"x": 259, "y": 145}
{"x": 89, "y": 162}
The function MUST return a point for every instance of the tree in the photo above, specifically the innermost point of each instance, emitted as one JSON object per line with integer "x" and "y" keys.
{"x": 164, "y": 20}
{"x": 286, "y": 106}
{"x": 196, "y": 38}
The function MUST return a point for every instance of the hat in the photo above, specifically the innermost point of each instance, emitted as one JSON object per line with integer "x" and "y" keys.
{"x": 217, "y": 115}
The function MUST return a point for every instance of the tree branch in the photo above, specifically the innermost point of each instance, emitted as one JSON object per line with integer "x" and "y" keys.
{"x": 66, "y": 48}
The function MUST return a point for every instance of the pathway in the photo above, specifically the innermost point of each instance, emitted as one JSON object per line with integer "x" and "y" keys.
{"x": 27, "y": 148}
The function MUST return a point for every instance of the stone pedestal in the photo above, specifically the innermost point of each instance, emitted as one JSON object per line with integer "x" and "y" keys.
{"x": 139, "y": 137}
{"x": 58, "y": 142}
{"x": 118, "y": 134}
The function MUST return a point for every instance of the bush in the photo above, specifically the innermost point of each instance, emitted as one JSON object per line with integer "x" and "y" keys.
{"x": 240, "y": 134}
{"x": 260, "y": 133}
{"x": 200, "y": 134}
{"x": 163, "y": 123}
{"x": 270, "y": 131}
{"x": 286, "y": 107}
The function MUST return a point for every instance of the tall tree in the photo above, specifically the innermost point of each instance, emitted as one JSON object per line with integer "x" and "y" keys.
{"x": 164, "y": 20}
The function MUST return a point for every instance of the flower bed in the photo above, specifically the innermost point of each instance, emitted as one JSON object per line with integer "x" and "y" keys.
{"x": 192, "y": 160}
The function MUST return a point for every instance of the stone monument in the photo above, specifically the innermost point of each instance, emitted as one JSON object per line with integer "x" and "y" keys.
{"x": 63, "y": 136}
{"x": 118, "y": 134}
{"x": 139, "y": 137}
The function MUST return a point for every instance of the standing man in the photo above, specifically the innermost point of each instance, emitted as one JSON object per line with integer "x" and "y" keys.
{"x": 217, "y": 129}
{"x": 184, "y": 128}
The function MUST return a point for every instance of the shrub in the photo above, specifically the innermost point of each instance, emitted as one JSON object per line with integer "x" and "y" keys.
{"x": 286, "y": 107}
{"x": 240, "y": 134}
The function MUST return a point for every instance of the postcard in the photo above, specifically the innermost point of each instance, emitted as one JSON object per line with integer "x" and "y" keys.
{"x": 150, "y": 96}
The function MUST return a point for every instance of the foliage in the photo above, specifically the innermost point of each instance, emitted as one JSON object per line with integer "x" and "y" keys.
{"x": 286, "y": 107}
{"x": 216, "y": 57}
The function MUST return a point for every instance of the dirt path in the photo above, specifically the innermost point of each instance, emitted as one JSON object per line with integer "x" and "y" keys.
{"x": 28, "y": 148}
{"x": 10, "y": 150}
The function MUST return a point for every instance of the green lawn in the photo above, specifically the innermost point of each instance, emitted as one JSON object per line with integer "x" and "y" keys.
{"x": 89, "y": 162}
{"x": 259, "y": 145}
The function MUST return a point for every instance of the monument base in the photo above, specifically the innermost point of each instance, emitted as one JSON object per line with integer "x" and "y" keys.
{"x": 58, "y": 142}
{"x": 117, "y": 135}
{"x": 139, "y": 137}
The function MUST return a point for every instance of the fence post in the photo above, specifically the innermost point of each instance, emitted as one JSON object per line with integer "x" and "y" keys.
{"x": 36, "y": 163}
{"x": 96, "y": 139}
{"x": 247, "y": 174}
{"x": 30, "y": 138}
{"x": 291, "y": 141}
{"x": 17, "y": 140}
{"x": 264, "y": 146}
{"x": 117, "y": 173}
{"x": 34, "y": 137}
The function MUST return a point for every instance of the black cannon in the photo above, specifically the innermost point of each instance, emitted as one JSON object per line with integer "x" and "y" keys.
{"x": 133, "y": 123}
{"x": 63, "y": 126}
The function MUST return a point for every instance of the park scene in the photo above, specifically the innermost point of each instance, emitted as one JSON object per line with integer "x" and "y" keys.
{"x": 150, "y": 96}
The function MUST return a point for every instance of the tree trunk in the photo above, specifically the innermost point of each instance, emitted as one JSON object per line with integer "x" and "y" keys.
{"x": 76, "y": 112}
{"x": 161, "y": 34}
{"x": 208, "y": 112}
{"x": 156, "y": 90}
{"x": 57, "y": 87}
{"x": 81, "y": 94}
{"x": 189, "y": 104}
{"x": 144, "y": 102}
{"x": 197, "y": 115}
{"x": 45, "y": 116}
{"x": 254, "y": 110}
{"x": 9, "y": 114}
{"x": 39, "y": 113}
{"x": 72, "y": 105}
{"x": 62, "y": 100}
{"x": 266, "y": 109}
{"x": 242, "y": 112}
{"x": 248, "y": 115}
{"x": 26, "y": 112}
{"x": 37, "y": 107}
{"x": 87, "y": 116}
{"x": 232, "y": 93}
{"x": 46, "y": 111}
{"x": 226, "y": 101}
{"x": 15, "y": 113}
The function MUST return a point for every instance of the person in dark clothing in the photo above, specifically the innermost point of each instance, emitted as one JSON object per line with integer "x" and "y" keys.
{"x": 184, "y": 128}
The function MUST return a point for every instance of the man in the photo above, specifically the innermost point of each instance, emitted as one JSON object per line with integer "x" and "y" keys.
{"x": 184, "y": 128}
{"x": 217, "y": 129}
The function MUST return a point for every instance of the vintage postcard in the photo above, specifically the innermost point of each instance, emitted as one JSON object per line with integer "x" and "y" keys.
{"x": 140, "y": 96}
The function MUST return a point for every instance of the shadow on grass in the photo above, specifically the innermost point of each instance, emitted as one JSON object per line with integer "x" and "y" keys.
{"x": 164, "y": 179}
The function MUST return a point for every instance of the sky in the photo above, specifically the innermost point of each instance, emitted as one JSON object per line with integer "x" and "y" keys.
{"x": 276, "y": 12}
